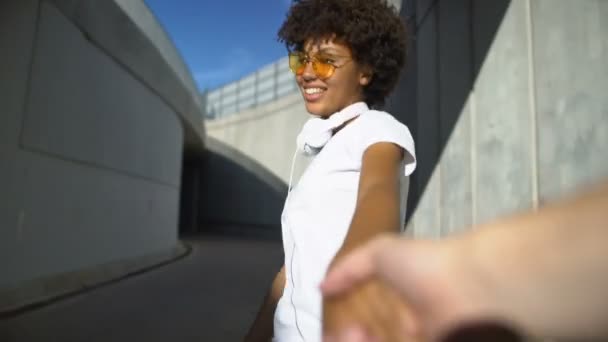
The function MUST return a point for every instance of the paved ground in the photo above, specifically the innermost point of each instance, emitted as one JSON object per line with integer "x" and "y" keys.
{"x": 212, "y": 295}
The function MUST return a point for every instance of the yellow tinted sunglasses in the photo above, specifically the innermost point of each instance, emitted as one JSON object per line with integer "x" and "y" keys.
{"x": 323, "y": 65}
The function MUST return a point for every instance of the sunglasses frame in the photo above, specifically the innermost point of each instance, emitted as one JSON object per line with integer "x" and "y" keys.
{"x": 315, "y": 64}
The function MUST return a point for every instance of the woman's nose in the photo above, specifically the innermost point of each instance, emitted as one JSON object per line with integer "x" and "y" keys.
{"x": 309, "y": 72}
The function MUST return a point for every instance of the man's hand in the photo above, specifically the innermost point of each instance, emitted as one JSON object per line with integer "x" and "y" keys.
{"x": 369, "y": 311}
{"x": 428, "y": 275}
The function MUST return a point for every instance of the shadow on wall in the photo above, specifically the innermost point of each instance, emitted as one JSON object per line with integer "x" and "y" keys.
{"x": 235, "y": 186}
{"x": 442, "y": 66}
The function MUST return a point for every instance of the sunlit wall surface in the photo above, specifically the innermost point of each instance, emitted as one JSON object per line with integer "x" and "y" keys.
{"x": 267, "y": 84}
{"x": 508, "y": 103}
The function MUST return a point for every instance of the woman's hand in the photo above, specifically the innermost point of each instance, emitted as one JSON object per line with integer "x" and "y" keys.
{"x": 370, "y": 309}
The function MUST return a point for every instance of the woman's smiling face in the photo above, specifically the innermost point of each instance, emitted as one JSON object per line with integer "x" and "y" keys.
{"x": 344, "y": 87}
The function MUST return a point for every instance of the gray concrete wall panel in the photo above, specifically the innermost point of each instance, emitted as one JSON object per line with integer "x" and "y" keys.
{"x": 571, "y": 68}
{"x": 18, "y": 44}
{"x": 534, "y": 123}
{"x": 427, "y": 217}
{"x": 90, "y": 149}
{"x": 423, "y": 10}
{"x": 426, "y": 220}
{"x": 75, "y": 216}
{"x": 402, "y": 102}
{"x": 85, "y": 123}
{"x": 503, "y": 121}
{"x": 141, "y": 15}
{"x": 137, "y": 42}
{"x": 455, "y": 72}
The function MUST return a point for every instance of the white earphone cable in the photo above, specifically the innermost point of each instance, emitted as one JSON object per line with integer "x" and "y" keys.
{"x": 293, "y": 164}
{"x": 293, "y": 284}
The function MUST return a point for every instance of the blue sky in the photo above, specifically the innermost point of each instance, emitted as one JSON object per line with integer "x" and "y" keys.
{"x": 223, "y": 40}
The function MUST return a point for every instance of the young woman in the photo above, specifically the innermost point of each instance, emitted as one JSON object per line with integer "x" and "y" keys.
{"x": 347, "y": 56}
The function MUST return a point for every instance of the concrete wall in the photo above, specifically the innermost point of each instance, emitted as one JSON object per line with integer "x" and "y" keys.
{"x": 138, "y": 43}
{"x": 253, "y": 151}
{"x": 91, "y": 146}
{"x": 508, "y": 108}
{"x": 267, "y": 84}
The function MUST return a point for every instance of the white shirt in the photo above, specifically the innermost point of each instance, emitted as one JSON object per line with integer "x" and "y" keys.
{"x": 318, "y": 214}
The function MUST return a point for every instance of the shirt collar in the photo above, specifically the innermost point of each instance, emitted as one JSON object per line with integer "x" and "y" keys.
{"x": 355, "y": 108}
{"x": 349, "y": 112}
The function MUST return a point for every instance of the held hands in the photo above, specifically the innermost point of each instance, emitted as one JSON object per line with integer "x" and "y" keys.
{"x": 369, "y": 311}
{"x": 442, "y": 292}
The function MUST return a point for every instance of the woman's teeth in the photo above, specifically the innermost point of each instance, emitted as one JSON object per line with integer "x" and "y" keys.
{"x": 311, "y": 91}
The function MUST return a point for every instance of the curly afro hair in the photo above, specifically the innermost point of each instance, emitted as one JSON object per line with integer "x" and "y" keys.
{"x": 372, "y": 29}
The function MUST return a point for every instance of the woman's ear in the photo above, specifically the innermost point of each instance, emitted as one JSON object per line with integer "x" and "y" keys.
{"x": 366, "y": 76}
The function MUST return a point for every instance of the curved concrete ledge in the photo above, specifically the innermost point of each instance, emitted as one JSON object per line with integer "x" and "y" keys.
{"x": 46, "y": 290}
{"x": 249, "y": 163}
{"x": 280, "y": 121}
{"x": 128, "y": 32}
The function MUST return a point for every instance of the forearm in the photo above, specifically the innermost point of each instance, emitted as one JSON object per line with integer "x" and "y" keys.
{"x": 262, "y": 328}
{"x": 551, "y": 266}
{"x": 376, "y": 213}
{"x": 378, "y": 196}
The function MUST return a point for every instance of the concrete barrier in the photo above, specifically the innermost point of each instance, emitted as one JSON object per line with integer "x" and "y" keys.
{"x": 97, "y": 111}
{"x": 507, "y": 103}
{"x": 255, "y": 147}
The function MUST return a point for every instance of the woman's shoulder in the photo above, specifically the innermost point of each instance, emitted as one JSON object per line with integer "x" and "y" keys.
{"x": 380, "y": 126}
{"x": 378, "y": 119}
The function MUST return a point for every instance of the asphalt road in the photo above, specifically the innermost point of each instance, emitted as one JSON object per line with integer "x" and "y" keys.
{"x": 211, "y": 295}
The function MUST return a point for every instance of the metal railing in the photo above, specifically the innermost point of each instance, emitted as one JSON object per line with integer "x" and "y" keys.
{"x": 265, "y": 85}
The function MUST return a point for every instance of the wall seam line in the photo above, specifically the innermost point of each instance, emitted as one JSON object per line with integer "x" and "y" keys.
{"x": 99, "y": 167}
{"x": 439, "y": 210}
{"x": 532, "y": 106}
{"x": 30, "y": 72}
{"x": 473, "y": 116}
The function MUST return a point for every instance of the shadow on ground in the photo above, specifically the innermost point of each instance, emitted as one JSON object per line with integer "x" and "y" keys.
{"x": 211, "y": 295}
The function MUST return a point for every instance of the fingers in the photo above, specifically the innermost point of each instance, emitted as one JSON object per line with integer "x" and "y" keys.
{"x": 370, "y": 311}
{"x": 407, "y": 320}
{"x": 401, "y": 323}
{"x": 351, "y": 334}
{"x": 353, "y": 268}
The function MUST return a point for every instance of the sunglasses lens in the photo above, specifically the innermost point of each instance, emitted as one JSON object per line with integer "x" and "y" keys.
{"x": 323, "y": 70}
{"x": 297, "y": 63}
